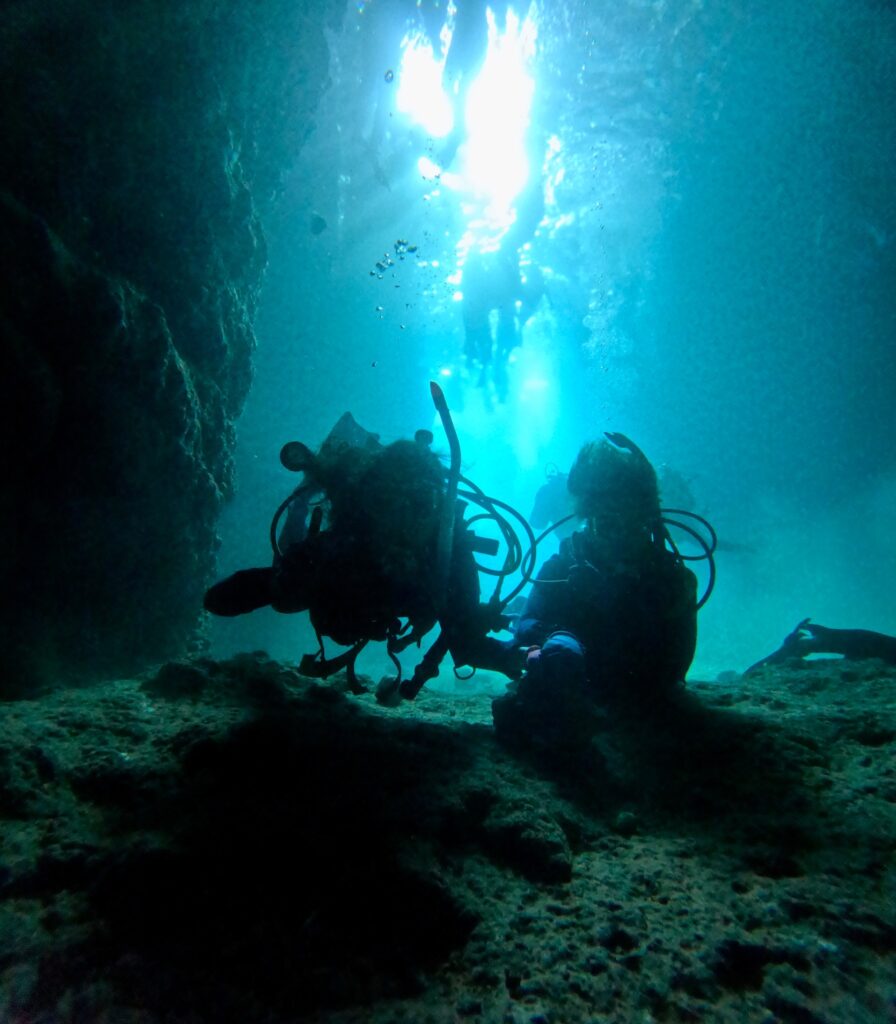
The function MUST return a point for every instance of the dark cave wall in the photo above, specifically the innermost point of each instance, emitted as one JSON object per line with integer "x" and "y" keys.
{"x": 143, "y": 146}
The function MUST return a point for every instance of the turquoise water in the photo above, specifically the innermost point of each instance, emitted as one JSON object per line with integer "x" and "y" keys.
{"x": 717, "y": 250}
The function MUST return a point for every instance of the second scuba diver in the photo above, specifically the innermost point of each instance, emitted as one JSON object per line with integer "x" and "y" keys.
{"x": 614, "y": 613}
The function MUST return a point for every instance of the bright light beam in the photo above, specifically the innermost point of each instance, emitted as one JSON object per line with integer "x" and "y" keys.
{"x": 497, "y": 110}
{"x": 497, "y": 115}
{"x": 420, "y": 94}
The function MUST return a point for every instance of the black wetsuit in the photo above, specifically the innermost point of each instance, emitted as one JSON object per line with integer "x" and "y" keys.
{"x": 637, "y": 622}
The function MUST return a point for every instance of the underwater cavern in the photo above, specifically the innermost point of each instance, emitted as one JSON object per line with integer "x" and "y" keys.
{"x": 492, "y": 233}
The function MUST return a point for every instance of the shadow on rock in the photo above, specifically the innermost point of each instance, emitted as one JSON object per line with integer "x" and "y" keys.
{"x": 296, "y": 868}
{"x": 687, "y": 767}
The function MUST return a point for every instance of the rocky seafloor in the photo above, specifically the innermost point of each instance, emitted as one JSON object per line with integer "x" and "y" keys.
{"x": 228, "y": 841}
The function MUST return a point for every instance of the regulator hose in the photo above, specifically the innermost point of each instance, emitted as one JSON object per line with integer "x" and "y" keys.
{"x": 709, "y": 546}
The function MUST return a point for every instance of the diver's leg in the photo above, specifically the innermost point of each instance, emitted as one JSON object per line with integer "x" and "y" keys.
{"x": 487, "y": 652}
{"x": 477, "y": 342}
{"x": 562, "y": 657}
{"x": 550, "y": 669}
{"x": 507, "y": 338}
{"x": 242, "y": 592}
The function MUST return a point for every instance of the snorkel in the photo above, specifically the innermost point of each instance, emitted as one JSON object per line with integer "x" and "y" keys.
{"x": 449, "y": 499}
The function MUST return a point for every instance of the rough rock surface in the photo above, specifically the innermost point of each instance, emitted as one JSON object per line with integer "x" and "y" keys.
{"x": 115, "y": 482}
{"x": 229, "y": 842}
{"x": 141, "y": 149}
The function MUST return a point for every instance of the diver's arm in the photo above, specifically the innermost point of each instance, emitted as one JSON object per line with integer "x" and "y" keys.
{"x": 540, "y": 616}
{"x": 466, "y": 623}
{"x": 681, "y": 623}
{"x": 808, "y": 638}
{"x": 856, "y": 644}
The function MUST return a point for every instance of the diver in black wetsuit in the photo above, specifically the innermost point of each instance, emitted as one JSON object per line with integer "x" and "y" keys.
{"x": 375, "y": 537}
{"x": 614, "y": 613}
{"x": 493, "y": 284}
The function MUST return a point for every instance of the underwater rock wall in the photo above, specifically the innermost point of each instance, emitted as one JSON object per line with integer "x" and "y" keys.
{"x": 143, "y": 147}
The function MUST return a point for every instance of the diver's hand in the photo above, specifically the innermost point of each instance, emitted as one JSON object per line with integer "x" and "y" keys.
{"x": 806, "y": 638}
{"x": 531, "y": 656}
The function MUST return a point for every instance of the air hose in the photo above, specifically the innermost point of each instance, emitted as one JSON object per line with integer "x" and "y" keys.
{"x": 708, "y": 546}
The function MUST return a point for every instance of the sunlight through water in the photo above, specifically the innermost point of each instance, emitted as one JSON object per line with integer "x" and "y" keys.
{"x": 420, "y": 93}
{"x": 494, "y": 165}
{"x": 497, "y": 115}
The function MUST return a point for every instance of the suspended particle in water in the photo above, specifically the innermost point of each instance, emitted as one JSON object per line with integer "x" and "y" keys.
{"x": 389, "y": 75}
{"x": 379, "y": 309}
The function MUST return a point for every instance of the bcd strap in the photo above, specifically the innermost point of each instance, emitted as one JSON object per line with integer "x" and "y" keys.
{"x": 316, "y": 666}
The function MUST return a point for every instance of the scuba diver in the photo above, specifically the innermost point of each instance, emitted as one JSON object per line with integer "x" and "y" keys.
{"x": 495, "y": 282}
{"x": 808, "y": 638}
{"x": 491, "y": 284}
{"x": 375, "y": 547}
{"x": 614, "y": 613}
